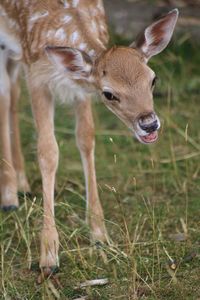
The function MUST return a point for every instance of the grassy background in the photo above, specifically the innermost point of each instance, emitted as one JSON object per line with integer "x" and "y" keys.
{"x": 150, "y": 196}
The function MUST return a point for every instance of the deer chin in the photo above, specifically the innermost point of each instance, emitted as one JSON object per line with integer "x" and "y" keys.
{"x": 148, "y": 138}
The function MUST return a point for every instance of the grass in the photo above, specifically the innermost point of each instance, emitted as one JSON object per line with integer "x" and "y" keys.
{"x": 150, "y": 196}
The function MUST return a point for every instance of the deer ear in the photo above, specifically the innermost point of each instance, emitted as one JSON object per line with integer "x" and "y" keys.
{"x": 73, "y": 61}
{"x": 157, "y": 36}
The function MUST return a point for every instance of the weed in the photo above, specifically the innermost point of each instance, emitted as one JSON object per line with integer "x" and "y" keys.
{"x": 150, "y": 196}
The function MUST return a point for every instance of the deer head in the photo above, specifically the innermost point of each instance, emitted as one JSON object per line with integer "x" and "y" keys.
{"x": 122, "y": 75}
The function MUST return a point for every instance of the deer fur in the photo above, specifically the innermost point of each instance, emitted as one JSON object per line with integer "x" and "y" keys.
{"x": 63, "y": 49}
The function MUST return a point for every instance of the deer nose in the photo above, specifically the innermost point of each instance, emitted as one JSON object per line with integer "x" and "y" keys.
{"x": 149, "y": 123}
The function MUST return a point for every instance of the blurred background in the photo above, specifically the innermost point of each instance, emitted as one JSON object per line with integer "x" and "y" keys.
{"x": 128, "y": 17}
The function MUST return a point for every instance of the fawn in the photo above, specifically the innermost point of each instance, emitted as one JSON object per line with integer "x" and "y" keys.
{"x": 62, "y": 47}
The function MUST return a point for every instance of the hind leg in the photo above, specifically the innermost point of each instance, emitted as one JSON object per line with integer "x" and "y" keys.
{"x": 9, "y": 199}
{"x": 18, "y": 160}
{"x": 85, "y": 142}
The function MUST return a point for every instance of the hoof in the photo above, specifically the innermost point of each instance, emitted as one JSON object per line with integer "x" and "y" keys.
{"x": 99, "y": 244}
{"x": 24, "y": 194}
{"x": 9, "y": 208}
{"x": 44, "y": 270}
{"x": 48, "y": 271}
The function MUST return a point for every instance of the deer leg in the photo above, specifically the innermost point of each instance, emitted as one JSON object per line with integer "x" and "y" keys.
{"x": 43, "y": 111}
{"x": 18, "y": 160}
{"x": 9, "y": 199}
{"x": 86, "y": 143}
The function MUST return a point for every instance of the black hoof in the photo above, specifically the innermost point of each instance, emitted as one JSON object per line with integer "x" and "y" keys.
{"x": 99, "y": 244}
{"x": 9, "y": 208}
{"x": 50, "y": 270}
{"x": 46, "y": 273}
{"x": 24, "y": 194}
{"x": 45, "y": 270}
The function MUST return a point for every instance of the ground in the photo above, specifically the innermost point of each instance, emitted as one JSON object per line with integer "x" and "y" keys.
{"x": 150, "y": 195}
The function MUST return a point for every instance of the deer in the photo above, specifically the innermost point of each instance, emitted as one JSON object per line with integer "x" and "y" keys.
{"x": 63, "y": 48}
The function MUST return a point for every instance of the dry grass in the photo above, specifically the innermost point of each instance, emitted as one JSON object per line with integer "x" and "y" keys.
{"x": 150, "y": 196}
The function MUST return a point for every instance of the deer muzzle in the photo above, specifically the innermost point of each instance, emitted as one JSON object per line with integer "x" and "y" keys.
{"x": 147, "y": 128}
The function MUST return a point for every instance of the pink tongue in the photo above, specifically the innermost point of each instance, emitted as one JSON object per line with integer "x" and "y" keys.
{"x": 151, "y": 136}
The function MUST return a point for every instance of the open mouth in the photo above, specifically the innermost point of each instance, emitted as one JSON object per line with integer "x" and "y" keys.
{"x": 149, "y": 138}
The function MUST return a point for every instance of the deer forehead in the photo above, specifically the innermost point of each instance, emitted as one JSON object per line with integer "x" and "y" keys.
{"x": 124, "y": 67}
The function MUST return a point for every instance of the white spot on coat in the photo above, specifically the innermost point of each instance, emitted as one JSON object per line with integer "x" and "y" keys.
{"x": 100, "y": 6}
{"x": 94, "y": 12}
{"x": 2, "y": 12}
{"x": 74, "y": 36}
{"x": 100, "y": 43}
{"x": 50, "y": 33}
{"x": 66, "y": 19}
{"x": 82, "y": 46}
{"x": 91, "y": 52}
{"x": 94, "y": 26}
{"x": 60, "y": 34}
{"x": 102, "y": 27}
{"x": 38, "y": 15}
{"x": 75, "y": 3}
{"x": 66, "y": 4}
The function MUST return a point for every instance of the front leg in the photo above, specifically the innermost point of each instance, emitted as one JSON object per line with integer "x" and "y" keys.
{"x": 86, "y": 143}
{"x": 18, "y": 159}
{"x": 43, "y": 110}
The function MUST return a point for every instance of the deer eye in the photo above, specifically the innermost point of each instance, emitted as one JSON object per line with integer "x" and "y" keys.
{"x": 154, "y": 81}
{"x": 109, "y": 96}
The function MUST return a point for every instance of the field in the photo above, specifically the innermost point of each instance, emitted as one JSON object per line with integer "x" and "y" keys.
{"x": 150, "y": 195}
